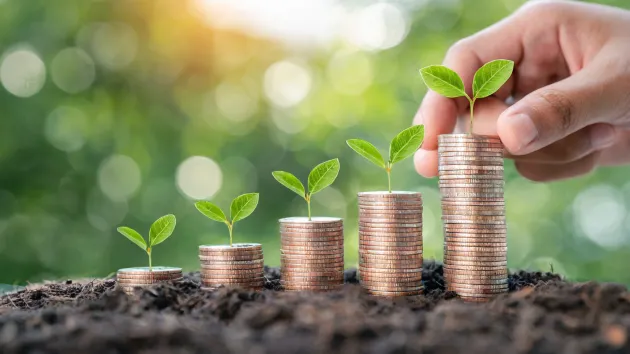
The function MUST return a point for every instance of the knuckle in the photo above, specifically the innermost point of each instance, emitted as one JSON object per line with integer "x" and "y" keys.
{"x": 562, "y": 107}
{"x": 460, "y": 48}
{"x": 543, "y": 7}
{"x": 526, "y": 170}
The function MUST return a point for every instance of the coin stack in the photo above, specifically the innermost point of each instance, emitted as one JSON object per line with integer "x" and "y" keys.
{"x": 390, "y": 243}
{"x": 473, "y": 212}
{"x": 130, "y": 278}
{"x": 240, "y": 265}
{"x": 311, "y": 254}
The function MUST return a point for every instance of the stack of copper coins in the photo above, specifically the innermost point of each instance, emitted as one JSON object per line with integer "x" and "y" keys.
{"x": 311, "y": 253}
{"x": 473, "y": 212}
{"x": 390, "y": 243}
{"x": 240, "y": 265}
{"x": 130, "y": 278}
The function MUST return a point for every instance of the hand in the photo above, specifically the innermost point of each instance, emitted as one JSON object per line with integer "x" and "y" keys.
{"x": 571, "y": 85}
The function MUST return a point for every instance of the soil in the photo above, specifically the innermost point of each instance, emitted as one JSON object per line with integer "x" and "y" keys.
{"x": 541, "y": 314}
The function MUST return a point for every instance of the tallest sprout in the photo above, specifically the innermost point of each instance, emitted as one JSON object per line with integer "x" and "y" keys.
{"x": 488, "y": 80}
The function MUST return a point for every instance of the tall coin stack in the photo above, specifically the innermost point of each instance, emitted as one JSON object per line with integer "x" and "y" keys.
{"x": 473, "y": 212}
{"x": 390, "y": 243}
{"x": 240, "y": 265}
{"x": 130, "y": 278}
{"x": 311, "y": 253}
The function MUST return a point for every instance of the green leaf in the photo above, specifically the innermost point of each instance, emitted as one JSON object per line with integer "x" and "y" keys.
{"x": 367, "y": 150}
{"x": 243, "y": 206}
{"x": 443, "y": 80}
{"x": 323, "y": 175}
{"x": 161, "y": 229}
{"x": 211, "y": 211}
{"x": 133, "y": 236}
{"x": 406, "y": 143}
{"x": 490, "y": 77}
{"x": 290, "y": 181}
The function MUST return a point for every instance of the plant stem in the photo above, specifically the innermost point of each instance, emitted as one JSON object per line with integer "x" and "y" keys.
{"x": 230, "y": 227}
{"x": 389, "y": 177}
{"x": 308, "y": 202}
{"x": 472, "y": 109}
{"x": 150, "y": 265}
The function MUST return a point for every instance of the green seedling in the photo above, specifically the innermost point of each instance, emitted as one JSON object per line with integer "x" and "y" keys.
{"x": 488, "y": 80}
{"x": 241, "y": 207}
{"x": 161, "y": 229}
{"x": 405, "y": 144}
{"x": 322, "y": 176}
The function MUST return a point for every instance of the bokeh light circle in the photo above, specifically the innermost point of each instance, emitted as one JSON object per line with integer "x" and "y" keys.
{"x": 22, "y": 72}
{"x": 287, "y": 83}
{"x": 199, "y": 177}
{"x": 377, "y": 27}
{"x": 65, "y": 128}
{"x": 599, "y": 213}
{"x": 114, "y": 45}
{"x": 72, "y": 70}
{"x": 350, "y": 73}
{"x": 234, "y": 102}
{"x": 119, "y": 177}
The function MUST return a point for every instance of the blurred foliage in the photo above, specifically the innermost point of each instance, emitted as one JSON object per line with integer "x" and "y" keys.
{"x": 132, "y": 89}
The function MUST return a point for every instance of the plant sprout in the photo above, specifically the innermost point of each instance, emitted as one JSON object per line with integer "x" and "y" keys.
{"x": 241, "y": 207}
{"x": 488, "y": 80}
{"x": 161, "y": 229}
{"x": 322, "y": 176}
{"x": 405, "y": 144}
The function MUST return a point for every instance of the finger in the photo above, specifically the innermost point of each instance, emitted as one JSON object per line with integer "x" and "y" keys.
{"x": 619, "y": 152}
{"x": 426, "y": 162}
{"x": 574, "y": 147}
{"x": 546, "y": 172}
{"x": 487, "y": 111}
{"x": 554, "y": 112}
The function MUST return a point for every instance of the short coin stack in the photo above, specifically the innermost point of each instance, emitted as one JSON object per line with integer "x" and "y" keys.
{"x": 130, "y": 278}
{"x": 390, "y": 243}
{"x": 240, "y": 265}
{"x": 473, "y": 212}
{"x": 311, "y": 253}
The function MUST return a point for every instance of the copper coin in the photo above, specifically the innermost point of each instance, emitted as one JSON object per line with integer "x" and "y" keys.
{"x": 226, "y": 282}
{"x": 391, "y": 238}
{"x": 304, "y": 243}
{"x": 476, "y": 281}
{"x": 235, "y": 248}
{"x": 244, "y": 264}
{"x": 391, "y": 229}
{"x": 471, "y": 211}
{"x": 390, "y": 242}
{"x": 286, "y": 269}
{"x": 240, "y": 277}
{"x": 456, "y": 257}
{"x": 466, "y": 154}
{"x": 464, "y": 232}
{"x": 374, "y": 217}
{"x": 314, "y": 222}
{"x": 473, "y": 249}
{"x": 478, "y": 273}
{"x": 232, "y": 273}
{"x": 149, "y": 276}
{"x": 388, "y": 212}
{"x": 316, "y": 249}
{"x": 311, "y": 257}
{"x": 293, "y": 253}
{"x": 384, "y": 233}
{"x": 469, "y": 137}
{"x": 314, "y": 262}
{"x": 471, "y": 169}
{"x": 387, "y": 294}
{"x": 385, "y": 279}
{"x": 389, "y": 249}
{"x": 477, "y": 289}
{"x": 379, "y": 224}
{"x": 390, "y": 256}
{"x": 154, "y": 270}
{"x": 387, "y": 207}
{"x": 324, "y": 235}
{"x": 146, "y": 282}
{"x": 409, "y": 271}
{"x": 413, "y": 251}
{"x": 323, "y": 277}
{"x": 229, "y": 259}
{"x": 390, "y": 264}
{"x": 460, "y": 194}
{"x": 457, "y": 263}
{"x": 467, "y": 237}
{"x": 484, "y": 228}
{"x": 393, "y": 289}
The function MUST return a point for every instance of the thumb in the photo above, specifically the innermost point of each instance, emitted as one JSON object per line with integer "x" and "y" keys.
{"x": 554, "y": 112}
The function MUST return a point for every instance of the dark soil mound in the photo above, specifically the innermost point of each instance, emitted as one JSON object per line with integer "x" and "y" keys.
{"x": 541, "y": 314}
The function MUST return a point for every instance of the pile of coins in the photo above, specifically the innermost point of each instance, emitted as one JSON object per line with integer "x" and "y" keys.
{"x": 130, "y": 278}
{"x": 311, "y": 254}
{"x": 390, "y": 243}
{"x": 473, "y": 212}
{"x": 240, "y": 265}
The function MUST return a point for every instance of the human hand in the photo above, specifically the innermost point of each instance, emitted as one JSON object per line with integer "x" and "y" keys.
{"x": 571, "y": 85}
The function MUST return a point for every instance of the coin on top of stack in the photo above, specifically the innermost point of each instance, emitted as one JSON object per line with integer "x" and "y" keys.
{"x": 311, "y": 253}
{"x": 390, "y": 243}
{"x": 130, "y": 278}
{"x": 473, "y": 212}
{"x": 240, "y": 265}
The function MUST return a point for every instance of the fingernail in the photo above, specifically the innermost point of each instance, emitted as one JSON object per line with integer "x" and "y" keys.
{"x": 523, "y": 129}
{"x": 602, "y": 136}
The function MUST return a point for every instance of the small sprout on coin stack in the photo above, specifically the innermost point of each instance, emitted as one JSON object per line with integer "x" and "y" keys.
{"x": 241, "y": 207}
{"x": 405, "y": 144}
{"x": 322, "y": 176}
{"x": 488, "y": 80}
{"x": 161, "y": 229}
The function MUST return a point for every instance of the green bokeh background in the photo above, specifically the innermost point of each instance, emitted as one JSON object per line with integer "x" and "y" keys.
{"x": 146, "y": 85}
